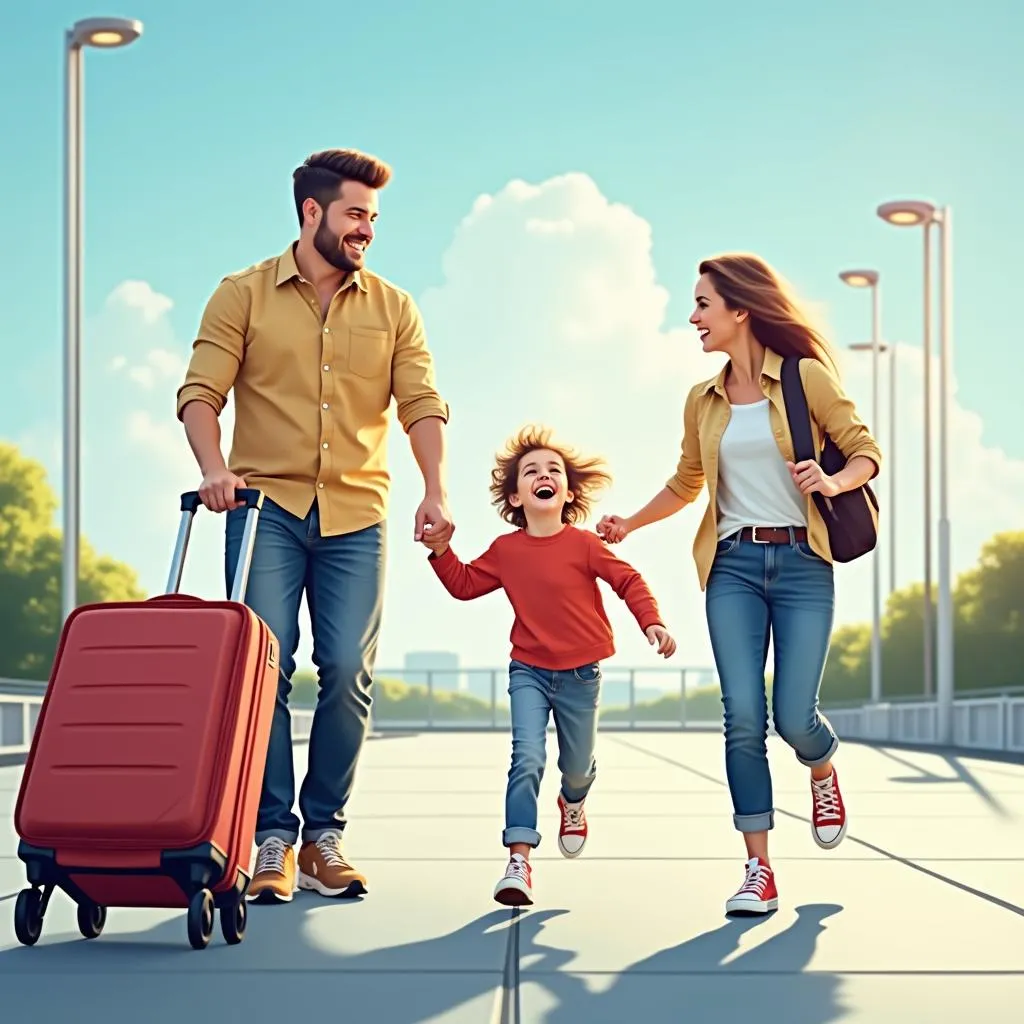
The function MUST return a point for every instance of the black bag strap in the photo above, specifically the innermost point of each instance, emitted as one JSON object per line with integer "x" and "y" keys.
{"x": 797, "y": 413}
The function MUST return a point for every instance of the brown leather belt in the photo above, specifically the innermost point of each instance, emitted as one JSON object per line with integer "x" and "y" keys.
{"x": 774, "y": 534}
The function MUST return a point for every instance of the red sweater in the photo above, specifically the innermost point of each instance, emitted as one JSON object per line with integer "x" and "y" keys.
{"x": 551, "y": 583}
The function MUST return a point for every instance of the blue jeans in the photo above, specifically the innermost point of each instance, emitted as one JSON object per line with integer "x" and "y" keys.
{"x": 572, "y": 696}
{"x": 343, "y": 578}
{"x": 788, "y": 591}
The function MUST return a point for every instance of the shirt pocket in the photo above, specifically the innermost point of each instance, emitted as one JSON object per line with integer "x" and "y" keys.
{"x": 369, "y": 351}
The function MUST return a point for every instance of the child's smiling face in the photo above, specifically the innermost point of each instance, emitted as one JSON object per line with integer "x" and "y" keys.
{"x": 542, "y": 484}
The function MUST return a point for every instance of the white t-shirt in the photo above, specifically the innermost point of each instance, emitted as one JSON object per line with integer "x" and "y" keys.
{"x": 754, "y": 485}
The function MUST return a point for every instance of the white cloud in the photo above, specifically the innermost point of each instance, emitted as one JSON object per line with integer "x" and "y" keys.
{"x": 140, "y": 297}
{"x": 159, "y": 367}
{"x": 550, "y": 310}
{"x": 552, "y": 299}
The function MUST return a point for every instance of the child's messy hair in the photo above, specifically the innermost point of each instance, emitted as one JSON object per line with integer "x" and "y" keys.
{"x": 585, "y": 476}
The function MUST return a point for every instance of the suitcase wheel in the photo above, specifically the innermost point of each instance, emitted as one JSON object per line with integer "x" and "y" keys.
{"x": 233, "y": 918}
{"x": 28, "y": 916}
{"x": 200, "y": 919}
{"x": 91, "y": 919}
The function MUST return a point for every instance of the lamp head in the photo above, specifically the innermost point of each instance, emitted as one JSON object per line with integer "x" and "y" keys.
{"x": 104, "y": 33}
{"x": 859, "y": 278}
{"x": 907, "y": 212}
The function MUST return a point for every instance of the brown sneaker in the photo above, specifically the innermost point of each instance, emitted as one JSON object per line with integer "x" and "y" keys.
{"x": 274, "y": 878}
{"x": 323, "y": 868}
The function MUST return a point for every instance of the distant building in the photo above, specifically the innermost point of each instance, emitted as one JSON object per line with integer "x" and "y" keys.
{"x": 443, "y": 666}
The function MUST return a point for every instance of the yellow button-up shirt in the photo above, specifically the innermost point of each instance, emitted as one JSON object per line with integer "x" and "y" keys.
{"x": 312, "y": 394}
{"x": 706, "y": 415}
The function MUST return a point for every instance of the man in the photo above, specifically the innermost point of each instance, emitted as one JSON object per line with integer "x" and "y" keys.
{"x": 315, "y": 346}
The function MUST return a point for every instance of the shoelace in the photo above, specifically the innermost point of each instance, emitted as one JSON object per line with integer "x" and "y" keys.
{"x": 756, "y": 880}
{"x": 271, "y": 857}
{"x": 516, "y": 869}
{"x": 329, "y": 846}
{"x": 572, "y": 817}
{"x": 826, "y": 801}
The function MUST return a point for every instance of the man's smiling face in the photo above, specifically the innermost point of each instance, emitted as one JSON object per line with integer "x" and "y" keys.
{"x": 347, "y": 227}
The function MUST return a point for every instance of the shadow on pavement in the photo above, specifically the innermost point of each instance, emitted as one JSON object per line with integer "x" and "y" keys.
{"x": 961, "y": 774}
{"x": 280, "y": 969}
{"x": 768, "y": 983}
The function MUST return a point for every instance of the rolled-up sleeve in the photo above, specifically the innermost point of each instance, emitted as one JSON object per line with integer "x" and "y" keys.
{"x": 413, "y": 381}
{"x": 689, "y": 475}
{"x": 834, "y": 411}
{"x": 218, "y": 349}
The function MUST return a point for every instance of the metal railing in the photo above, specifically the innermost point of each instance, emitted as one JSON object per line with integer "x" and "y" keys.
{"x": 18, "y": 715}
{"x": 474, "y": 700}
{"x": 471, "y": 700}
{"x": 993, "y": 724}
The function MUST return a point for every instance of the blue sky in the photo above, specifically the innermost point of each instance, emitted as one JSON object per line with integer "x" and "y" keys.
{"x": 777, "y": 128}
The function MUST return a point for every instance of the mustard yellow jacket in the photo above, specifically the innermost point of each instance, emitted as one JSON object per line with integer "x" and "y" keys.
{"x": 706, "y": 416}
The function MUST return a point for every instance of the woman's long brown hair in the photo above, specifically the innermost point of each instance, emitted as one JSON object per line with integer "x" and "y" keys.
{"x": 776, "y": 320}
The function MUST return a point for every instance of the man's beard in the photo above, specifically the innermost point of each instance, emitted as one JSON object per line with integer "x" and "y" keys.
{"x": 328, "y": 244}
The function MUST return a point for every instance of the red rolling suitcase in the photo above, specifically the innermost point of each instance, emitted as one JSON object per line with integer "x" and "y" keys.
{"x": 145, "y": 770}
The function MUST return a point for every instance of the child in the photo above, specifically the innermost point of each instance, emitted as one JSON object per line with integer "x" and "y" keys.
{"x": 549, "y": 570}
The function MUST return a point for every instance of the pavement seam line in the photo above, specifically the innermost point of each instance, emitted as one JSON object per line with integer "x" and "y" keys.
{"x": 962, "y": 886}
{"x": 506, "y": 1001}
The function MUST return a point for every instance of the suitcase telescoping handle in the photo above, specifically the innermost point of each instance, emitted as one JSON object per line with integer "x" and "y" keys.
{"x": 190, "y": 502}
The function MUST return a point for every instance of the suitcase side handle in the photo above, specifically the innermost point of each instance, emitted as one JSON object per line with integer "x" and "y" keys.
{"x": 190, "y": 503}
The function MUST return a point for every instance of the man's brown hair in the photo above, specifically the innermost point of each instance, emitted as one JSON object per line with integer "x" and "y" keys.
{"x": 322, "y": 174}
{"x": 585, "y": 476}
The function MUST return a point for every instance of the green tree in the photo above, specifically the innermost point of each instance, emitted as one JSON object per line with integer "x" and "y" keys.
{"x": 988, "y": 623}
{"x": 396, "y": 700}
{"x": 990, "y": 615}
{"x": 30, "y": 570}
{"x": 846, "y": 673}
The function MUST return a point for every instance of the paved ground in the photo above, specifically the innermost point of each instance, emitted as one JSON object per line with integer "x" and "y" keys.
{"x": 916, "y": 918}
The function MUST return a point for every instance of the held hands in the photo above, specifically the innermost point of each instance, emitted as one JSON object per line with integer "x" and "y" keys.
{"x": 612, "y": 529}
{"x": 659, "y": 635}
{"x": 810, "y": 478}
{"x": 437, "y": 546}
{"x": 434, "y": 526}
{"x": 433, "y": 521}
{"x": 217, "y": 491}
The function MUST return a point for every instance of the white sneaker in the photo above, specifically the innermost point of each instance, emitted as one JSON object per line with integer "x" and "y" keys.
{"x": 572, "y": 833}
{"x": 516, "y": 886}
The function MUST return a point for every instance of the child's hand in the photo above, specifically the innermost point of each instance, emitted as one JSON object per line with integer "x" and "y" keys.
{"x": 659, "y": 635}
{"x": 437, "y": 546}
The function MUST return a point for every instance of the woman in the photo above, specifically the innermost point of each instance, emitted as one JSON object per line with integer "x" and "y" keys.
{"x": 762, "y": 549}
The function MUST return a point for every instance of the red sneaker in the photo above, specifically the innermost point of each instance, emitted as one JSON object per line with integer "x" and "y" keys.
{"x": 515, "y": 889}
{"x": 757, "y": 894}
{"x": 828, "y": 813}
{"x": 572, "y": 833}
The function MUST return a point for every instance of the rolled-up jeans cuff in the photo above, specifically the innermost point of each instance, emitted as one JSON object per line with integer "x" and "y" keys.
{"x": 530, "y": 836}
{"x": 763, "y": 822}
{"x": 312, "y": 835}
{"x": 827, "y": 756}
{"x": 285, "y": 835}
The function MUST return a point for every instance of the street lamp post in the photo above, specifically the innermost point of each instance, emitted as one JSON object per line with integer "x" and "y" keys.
{"x": 103, "y": 33}
{"x": 869, "y": 279}
{"x": 911, "y": 213}
{"x": 890, "y": 453}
